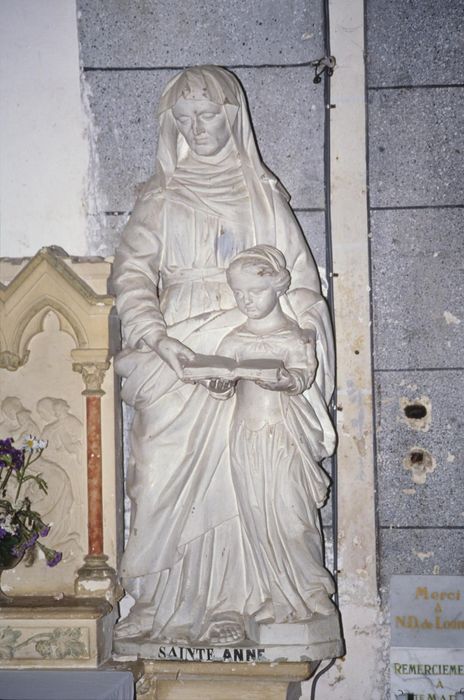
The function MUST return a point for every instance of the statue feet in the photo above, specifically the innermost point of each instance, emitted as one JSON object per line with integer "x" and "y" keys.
{"x": 129, "y": 627}
{"x": 226, "y": 629}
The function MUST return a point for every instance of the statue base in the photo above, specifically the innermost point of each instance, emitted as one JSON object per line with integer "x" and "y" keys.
{"x": 167, "y": 680}
{"x": 96, "y": 579}
{"x": 320, "y": 638}
{"x": 46, "y": 632}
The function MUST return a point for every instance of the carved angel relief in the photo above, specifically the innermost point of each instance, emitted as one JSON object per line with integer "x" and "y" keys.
{"x": 52, "y": 421}
{"x": 28, "y": 407}
{"x": 54, "y": 365}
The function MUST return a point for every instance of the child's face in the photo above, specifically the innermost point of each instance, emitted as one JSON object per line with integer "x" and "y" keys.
{"x": 255, "y": 295}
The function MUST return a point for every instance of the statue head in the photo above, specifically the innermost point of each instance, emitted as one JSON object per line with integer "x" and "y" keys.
{"x": 258, "y": 276}
{"x": 44, "y": 408}
{"x": 197, "y": 100}
{"x": 24, "y": 416}
{"x": 60, "y": 407}
{"x": 211, "y": 83}
{"x": 11, "y": 405}
{"x": 203, "y": 110}
{"x": 203, "y": 124}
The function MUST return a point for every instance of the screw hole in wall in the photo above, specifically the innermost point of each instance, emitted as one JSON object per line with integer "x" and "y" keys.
{"x": 416, "y": 411}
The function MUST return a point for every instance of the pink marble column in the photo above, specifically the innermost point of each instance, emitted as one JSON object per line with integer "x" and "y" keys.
{"x": 95, "y": 577}
{"x": 94, "y": 475}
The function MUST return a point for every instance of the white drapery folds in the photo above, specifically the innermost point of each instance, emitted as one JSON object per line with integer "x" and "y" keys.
{"x": 192, "y": 217}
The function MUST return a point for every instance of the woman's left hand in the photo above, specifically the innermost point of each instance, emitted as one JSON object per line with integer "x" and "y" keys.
{"x": 285, "y": 382}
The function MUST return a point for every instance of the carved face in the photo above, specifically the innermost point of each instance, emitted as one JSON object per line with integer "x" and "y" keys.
{"x": 255, "y": 294}
{"x": 203, "y": 124}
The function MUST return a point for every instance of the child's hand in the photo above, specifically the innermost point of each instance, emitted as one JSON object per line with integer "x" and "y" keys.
{"x": 285, "y": 382}
{"x": 221, "y": 389}
{"x": 220, "y": 386}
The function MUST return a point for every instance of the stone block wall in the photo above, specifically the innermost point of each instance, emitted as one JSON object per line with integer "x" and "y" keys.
{"x": 415, "y": 81}
{"x": 129, "y": 51}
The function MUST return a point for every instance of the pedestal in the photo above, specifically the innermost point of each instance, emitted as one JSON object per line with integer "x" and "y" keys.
{"x": 97, "y": 579}
{"x": 169, "y": 680}
{"x": 49, "y": 633}
{"x": 320, "y": 638}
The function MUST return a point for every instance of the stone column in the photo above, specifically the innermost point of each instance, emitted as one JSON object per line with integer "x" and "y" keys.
{"x": 94, "y": 474}
{"x": 363, "y": 628}
{"x": 96, "y": 578}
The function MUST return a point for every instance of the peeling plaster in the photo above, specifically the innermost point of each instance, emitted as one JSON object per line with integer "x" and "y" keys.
{"x": 421, "y": 463}
{"x": 367, "y": 634}
{"x": 94, "y": 200}
{"x": 451, "y": 318}
{"x": 422, "y": 555}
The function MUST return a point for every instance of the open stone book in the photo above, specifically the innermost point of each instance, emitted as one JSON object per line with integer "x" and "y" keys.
{"x": 205, "y": 367}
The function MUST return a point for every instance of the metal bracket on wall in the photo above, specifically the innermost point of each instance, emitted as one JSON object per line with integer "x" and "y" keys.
{"x": 326, "y": 64}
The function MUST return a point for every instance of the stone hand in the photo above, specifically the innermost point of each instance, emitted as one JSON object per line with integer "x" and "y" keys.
{"x": 220, "y": 386}
{"x": 285, "y": 382}
{"x": 221, "y": 389}
{"x": 174, "y": 353}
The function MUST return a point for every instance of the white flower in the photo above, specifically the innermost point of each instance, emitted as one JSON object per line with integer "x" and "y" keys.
{"x": 7, "y": 525}
{"x": 33, "y": 443}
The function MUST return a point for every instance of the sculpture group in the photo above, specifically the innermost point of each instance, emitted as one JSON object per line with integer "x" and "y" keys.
{"x": 224, "y": 477}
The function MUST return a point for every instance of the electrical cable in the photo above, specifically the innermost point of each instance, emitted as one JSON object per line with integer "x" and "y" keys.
{"x": 330, "y": 300}
{"x": 318, "y": 675}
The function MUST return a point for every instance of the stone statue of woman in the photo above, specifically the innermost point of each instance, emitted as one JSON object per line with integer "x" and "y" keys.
{"x": 211, "y": 197}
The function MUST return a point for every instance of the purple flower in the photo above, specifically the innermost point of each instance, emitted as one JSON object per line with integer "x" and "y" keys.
{"x": 31, "y": 541}
{"x": 3, "y": 533}
{"x": 55, "y": 559}
{"x": 18, "y": 459}
{"x": 19, "y": 550}
{"x": 10, "y": 456}
{"x": 44, "y": 531}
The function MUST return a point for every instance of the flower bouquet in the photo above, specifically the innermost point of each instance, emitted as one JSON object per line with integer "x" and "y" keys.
{"x": 20, "y": 525}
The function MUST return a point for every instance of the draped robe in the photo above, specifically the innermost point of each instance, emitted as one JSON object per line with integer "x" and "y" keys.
{"x": 184, "y": 560}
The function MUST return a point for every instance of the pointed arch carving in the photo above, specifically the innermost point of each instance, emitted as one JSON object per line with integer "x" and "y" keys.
{"x": 32, "y": 323}
{"x": 49, "y": 282}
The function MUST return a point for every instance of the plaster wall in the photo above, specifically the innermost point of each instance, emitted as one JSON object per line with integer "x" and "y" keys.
{"x": 43, "y": 144}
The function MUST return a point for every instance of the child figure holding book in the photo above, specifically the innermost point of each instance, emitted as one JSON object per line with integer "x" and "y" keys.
{"x": 276, "y": 442}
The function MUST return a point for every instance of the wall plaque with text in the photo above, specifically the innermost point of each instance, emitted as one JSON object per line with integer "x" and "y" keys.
{"x": 427, "y": 636}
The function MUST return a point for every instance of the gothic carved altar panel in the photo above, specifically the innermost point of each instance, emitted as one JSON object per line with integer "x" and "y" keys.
{"x": 44, "y": 398}
{"x": 54, "y": 363}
